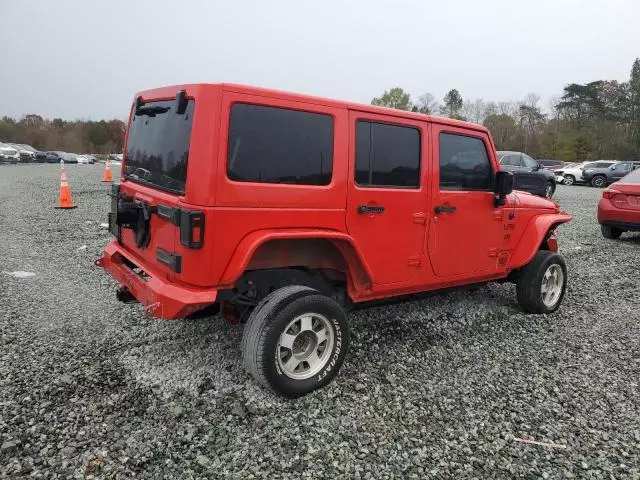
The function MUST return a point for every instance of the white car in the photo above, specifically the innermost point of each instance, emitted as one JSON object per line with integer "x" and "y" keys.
{"x": 83, "y": 160}
{"x": 573, "y": 174}
{"x": 9, "y": 154}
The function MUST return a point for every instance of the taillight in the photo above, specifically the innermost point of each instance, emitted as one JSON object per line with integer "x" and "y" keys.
{"x": 609, "y": 193}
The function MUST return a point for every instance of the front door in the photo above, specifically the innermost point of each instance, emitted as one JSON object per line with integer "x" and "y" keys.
{"x": 387, "y": 200}
{"x": 466, "y": 229}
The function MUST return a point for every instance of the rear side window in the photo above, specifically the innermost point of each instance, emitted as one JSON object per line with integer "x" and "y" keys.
{"x": 387, "y": 155}
{"x": 511, "y": 160}
{"x": 464, "y": 163}
{"x": 277, "y": 145}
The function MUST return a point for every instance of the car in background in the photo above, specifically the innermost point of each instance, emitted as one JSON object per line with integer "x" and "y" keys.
{"x": 53, "y": 157}
{"x": 26, "y": 152}
{"x": 619, "y": 207}
{"x": 68, "y": 157}
{"x": 86, "y": 160}
{"x": 552, "y": 165}
{"x": 528, "y": 174}
{"x": 9, "y": 154}
{"x": 601, "y": 177}
{"x": 574, "y": 174}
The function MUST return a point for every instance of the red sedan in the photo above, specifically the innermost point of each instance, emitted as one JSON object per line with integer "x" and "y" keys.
{"x": 619, "y": 207}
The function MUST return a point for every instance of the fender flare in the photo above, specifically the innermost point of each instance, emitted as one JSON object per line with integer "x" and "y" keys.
{"x": 343, "y": 242}
{"x": 533, "y": 236}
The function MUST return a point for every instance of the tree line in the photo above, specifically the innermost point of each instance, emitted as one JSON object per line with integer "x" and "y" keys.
{"x": 595, "y": 120}
{"x": 104, "y": 136}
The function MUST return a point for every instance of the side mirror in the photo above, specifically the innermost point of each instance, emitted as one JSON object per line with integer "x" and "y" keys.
{"x": 503, "y": 187}
{"x": 539, "y": 166}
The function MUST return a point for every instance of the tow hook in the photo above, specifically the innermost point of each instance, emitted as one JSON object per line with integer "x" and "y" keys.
{"x": 124, "y": 295}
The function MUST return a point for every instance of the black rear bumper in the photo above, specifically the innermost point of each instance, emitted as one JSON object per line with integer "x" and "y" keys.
{"x": 626, "y": 226}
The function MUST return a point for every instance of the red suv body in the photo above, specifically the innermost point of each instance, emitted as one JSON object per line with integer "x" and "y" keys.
{"x": 231, "y": 192}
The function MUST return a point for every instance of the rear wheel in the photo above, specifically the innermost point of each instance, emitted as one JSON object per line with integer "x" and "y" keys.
{"x": 598, "y": 181}
{"x": 569, "y": 180}
{"x": 542, "y": 283}
{"x": 295, "y": 340}
{"x": 611, "y": 233}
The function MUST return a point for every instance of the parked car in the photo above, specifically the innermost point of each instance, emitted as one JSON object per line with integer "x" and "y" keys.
{"x": 529, "y": 175}
{"x": 574, "y": 174}
{"x": 68, "y": 157}
{"x": 319, "y": 205}
{"x": 26, "y": 153}
{"x": 601, "y": 177}
{"x": 552, "y": 165}
{"x": 53, "y": 157}
{"x": 9, "y": 154}
{"x": 619, "y": 207}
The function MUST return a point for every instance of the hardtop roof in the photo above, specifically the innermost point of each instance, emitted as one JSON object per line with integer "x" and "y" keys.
{"x": 239, "y": 88}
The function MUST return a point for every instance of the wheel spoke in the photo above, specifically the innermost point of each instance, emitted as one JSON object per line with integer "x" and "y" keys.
{"x": 322, "y": 335}
{"x": 292, "y": 363}
{"x": 313, "y": 359}
{"x": 306, "y": 323}
{"x": 286, "y": 340}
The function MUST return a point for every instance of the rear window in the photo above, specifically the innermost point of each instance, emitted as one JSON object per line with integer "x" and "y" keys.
{"x": 158, "y": 146}
{"x": 632, "y": 177}
{"x": 278, "y": 145}
{"x": 387, "y": 155}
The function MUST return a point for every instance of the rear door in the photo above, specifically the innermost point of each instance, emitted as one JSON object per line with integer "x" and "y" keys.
{"x": 154, "y": 179}
{"x": 387, "y": 194}
{"x": 466, "y": 230}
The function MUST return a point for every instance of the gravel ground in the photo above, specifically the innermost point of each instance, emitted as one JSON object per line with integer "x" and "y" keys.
{"x": 439, "y": 388}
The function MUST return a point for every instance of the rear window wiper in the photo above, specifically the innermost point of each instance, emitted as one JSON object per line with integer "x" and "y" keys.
{"x": 151, "y": 110}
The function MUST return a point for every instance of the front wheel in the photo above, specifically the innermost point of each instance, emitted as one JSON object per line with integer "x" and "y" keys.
{"x": 598, "y": 181}
{"x": 549, "y": 191}
{"x": 542, "y": 283}
{"x": 569, "y": 180}
{"x": 295, "y": 340}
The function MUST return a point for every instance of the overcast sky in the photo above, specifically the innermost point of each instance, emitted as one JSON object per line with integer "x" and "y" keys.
{"x": 87, "y": 58}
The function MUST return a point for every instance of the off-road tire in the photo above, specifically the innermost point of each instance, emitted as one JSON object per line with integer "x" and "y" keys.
{"x": 529, "y": 285}
{"x": 569, "y": 180}
{"x": 268, "y": 321}
{"x": 612, "y": 233}
{"x": 599, "y": 181}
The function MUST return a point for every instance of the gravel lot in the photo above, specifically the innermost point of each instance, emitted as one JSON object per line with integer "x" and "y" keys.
{"x": 432, "y": 389}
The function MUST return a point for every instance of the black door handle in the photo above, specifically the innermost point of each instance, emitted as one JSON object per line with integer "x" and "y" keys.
{"x": 445, "y": 209}
{"x": 370, "y": 209}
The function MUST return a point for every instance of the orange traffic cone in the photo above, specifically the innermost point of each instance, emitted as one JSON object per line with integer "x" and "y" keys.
{"x": 107, "y": 173}
{"x": 65, "y": 191}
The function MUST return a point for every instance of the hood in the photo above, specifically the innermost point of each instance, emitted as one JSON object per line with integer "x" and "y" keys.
{"x": 520, "y": 199}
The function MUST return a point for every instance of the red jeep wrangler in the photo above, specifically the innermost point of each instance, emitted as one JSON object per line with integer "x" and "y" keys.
{"x": 284, "y": 210}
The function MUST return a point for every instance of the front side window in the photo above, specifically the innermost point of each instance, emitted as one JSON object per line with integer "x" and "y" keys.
{"x": 278, "y": 145}
{"x": 464, "y": 163}
{"x": 387, "y": 155}
{"x": 529, "y": 162}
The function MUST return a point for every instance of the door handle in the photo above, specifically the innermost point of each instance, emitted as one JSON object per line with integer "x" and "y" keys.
{"x": 445, "y": 209}
{"x": 364, "y": 209}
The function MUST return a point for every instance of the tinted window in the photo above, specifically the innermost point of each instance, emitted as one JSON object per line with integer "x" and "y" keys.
{"x": 591, "y": 165}
{"x": 277, "y": 145}
{"x": 604, "y": 164}
{"x": 464, "y": 163}
{"x": 529, "y": 162}
{"x": 511, "y": 160}
{"x": 387, "y": 155}
{"x": 158, "y": 145}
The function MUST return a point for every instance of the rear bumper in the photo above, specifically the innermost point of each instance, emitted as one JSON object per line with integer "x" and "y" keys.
{"x": 612, "y": 216}
{"x": 160, "y": 297}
